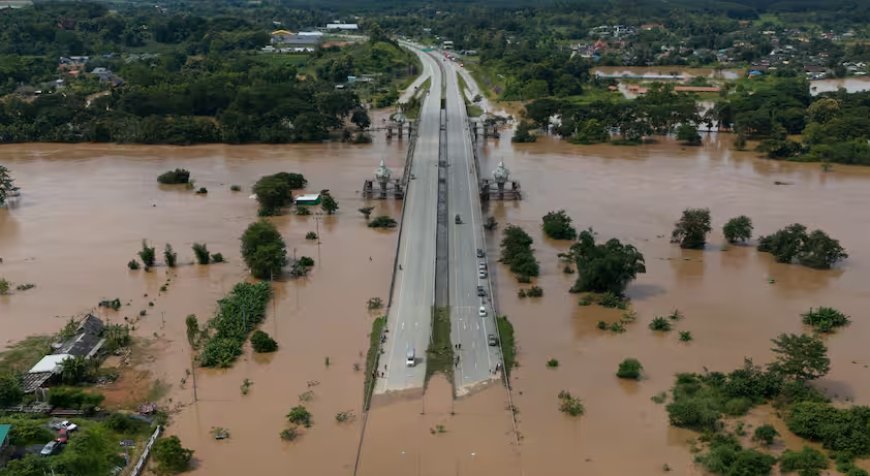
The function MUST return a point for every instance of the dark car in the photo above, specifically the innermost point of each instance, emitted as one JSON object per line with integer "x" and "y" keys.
{"x": 481, "y": 291}
{"x": 492, "y": 339}
{"x": 480, "y": 253}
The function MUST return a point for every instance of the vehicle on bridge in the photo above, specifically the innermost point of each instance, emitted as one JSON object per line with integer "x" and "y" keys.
{"x": 481, "y": 291}
{"x": 480, "y": 253}
{"x": 458, "y": 219}
{"x": 411, "y": 358}
{"x": 491, "y": 339}
{"x": 482, "y": 311}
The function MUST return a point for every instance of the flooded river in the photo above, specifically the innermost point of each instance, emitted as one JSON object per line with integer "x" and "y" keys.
{"x": 86, "y": 208}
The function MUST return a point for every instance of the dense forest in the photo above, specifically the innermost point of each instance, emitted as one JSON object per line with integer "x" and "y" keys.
{"x": 178, "y": 78}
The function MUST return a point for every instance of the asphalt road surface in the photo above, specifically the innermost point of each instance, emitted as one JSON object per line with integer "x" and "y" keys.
{"x": 469, "y": 329}
{"x": 409, "y": 321}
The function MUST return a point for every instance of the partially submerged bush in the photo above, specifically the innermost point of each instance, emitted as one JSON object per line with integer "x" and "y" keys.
{"x": 174, "y": 177}
{"x": 200, "y": 250}
{"x": 629, "y": 369}
{"x": 262, "y": 342}
{"x": 570, "y": 405}
{"x": 824, "y": 319}
{"x": 660, "y": 324}
{"x": 300, "y": 416}
{"x": 383, "y": 221}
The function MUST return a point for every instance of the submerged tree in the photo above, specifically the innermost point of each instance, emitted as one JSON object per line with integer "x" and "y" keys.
{"x": 792, "y": 243}
{"x": 557, "y": 225}
{"x": 263, "y": 250}
{"x": 692, "y": 228}
{"x": 147, "y": 255}
{"x": 604, "y": 268}
{"x": 7, "y": 186}
{"x": 738, "y": 229}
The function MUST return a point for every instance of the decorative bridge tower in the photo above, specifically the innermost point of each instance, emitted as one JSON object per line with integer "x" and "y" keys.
{"x": 496, "y": 188}
{"x": 386, "y": 188}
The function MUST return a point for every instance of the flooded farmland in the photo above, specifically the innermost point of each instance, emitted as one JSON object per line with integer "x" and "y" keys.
{"x": 86, "y": 208}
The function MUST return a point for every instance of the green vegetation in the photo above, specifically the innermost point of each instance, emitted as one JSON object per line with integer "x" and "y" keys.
{"x": 522, "y": 133}
{"x": 170, "y": 256}
{"x": 93, "y": 451}
{"x": 147, "y": 255}
{"x": 516, "y": 252}
{"x": 806, "y": 462}
{"x": 311, "y": 235}
{"x": 660, "y": 324}
{"x": 200, "y": 250}
{"x": 170, "y": 456}
{"x": 4, "y": 286}
{"x": 824, "y": 319}
{"x": 274, "y": 192}
{"x": 687, "y": 133}
{"x": 552, "y": 363}
{"x": 629, "y": 369}
{"x": 508, "y": 343}
{"x": 738, "y": 229}
{"x": 727, "y": 457}
{"x": 685, "y": 336}
{"x": 238, "y": 313}
{"x": 133, "y": 265}
{"x": 299, "y": 415}
{"x": 439, "y": 355}
{"x": 6, "y": 185}
{"x": 20, "y": 356}
{"x": 557, "y": 225}
{"x": 692, "y": 228}
{"x": 800, "y": 357}
{"x": 604, "y": 268}
{"x": 329, "y": 204}
{"x": 383, "y": 221}
{"x": 765, "y": 434}
{"x": 263, "y": 250}
{"x": 570, "y": 405}
{"x": 174, "y": 177}
{"x": 75, "y": 399}
{"x": 217, "y": 258}
{"x": 792, "y": 244}
{"x": 842, "y": 430}
{"x": 11, "y": 392}
{"x": 374, "y": 303}
{"x": 262, "y": 342}
{"x": 372, "y": 357}
{"x": 701, "y": 399}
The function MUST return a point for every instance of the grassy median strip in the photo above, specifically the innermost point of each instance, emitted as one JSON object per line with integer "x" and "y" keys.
{"x": 372, "y": 358}
{"x": 440, "y": 352}
{"x": 508, "y": 346}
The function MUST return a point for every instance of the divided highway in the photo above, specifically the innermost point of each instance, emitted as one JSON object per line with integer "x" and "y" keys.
{"x": 409, "y": 321}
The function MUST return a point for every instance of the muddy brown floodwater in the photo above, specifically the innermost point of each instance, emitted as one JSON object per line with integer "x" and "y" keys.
{"x": 86, "y": 208}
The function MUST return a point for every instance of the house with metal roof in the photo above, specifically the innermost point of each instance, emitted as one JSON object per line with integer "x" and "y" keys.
{"x": 86, "y": 342}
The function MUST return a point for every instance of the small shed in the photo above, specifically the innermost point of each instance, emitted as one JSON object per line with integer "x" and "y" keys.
{"x": 4, "y": 436}
{"x": 308, "y": 199}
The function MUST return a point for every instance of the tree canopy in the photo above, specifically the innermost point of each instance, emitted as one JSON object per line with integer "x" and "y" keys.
{"x": 605, "y": 268}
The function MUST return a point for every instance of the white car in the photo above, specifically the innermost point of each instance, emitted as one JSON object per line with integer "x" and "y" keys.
{"x": 411, "y": 359}
{"x": 481, "y": 274}
{"x": 482, "y": 311}
{"x": 69, "y": 426}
